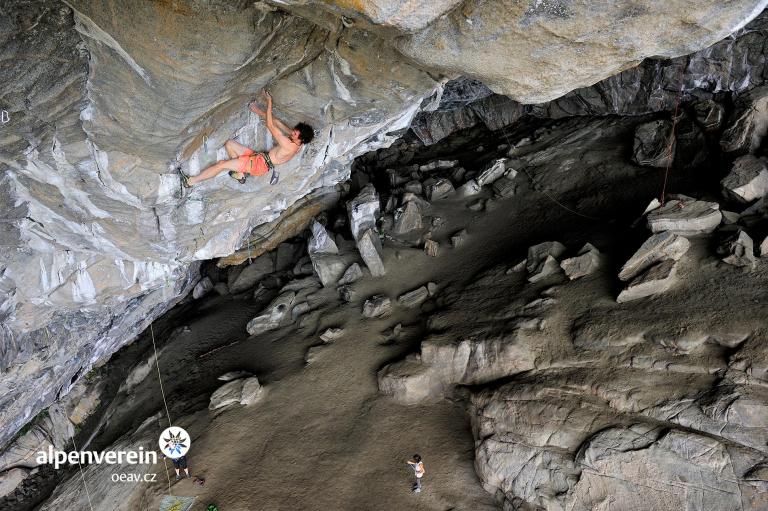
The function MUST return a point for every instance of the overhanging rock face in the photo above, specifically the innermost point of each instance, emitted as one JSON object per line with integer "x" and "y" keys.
{"x": 109, "y": 98}
{"x": 537, "y": 51}
{"x": 96, "y": 232}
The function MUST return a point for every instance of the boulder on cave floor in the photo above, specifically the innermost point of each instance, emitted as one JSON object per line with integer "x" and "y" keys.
{"x": 370, "y": 249}
{"x": 437, "y": 189}
{"x": 363, "y": 211}
{"x": 414, "y": 298}
{"x": 661, "y": 246}
{"x": 408, "y": 217}
{"x": 243, "y": 391}
{"x": 458, "y": 238}
{"x": 505, "y": 186}
{"x": 321, "y": 241}
{"x": 748, "y": 179}
{"x": 377, "y": 306}
{"x": 492, "y": 172}
{"x": 438, "y": 165}
{"x": 586, "y": 262}
{"x": 468, "y": 189}
{"x": 655, "y": 280}
{"x": 431, "y": 248}
{"x": 351, "y": 275}
{"x": 331, "y": 334}
{"x": 542, "y": 260}
{"x": 446, "y": 361}
{"x": 328, "y": 267}
{"x": 275, "y": 315}
{"x": 234, "y": 375}
{"x": 738, "y": 250}
{"x": 685, "y": 216}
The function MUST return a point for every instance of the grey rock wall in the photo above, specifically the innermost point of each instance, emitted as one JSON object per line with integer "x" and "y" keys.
{"x": 106, "y": 99}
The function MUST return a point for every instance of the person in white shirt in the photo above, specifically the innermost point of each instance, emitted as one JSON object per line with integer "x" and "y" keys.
{"x": 418, "y": 471}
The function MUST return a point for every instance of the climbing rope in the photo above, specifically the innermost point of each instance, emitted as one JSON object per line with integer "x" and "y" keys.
{"x": 663, "y": 197}
{"x": 82, "y": 475}
{"x": 543, "y": 191}
{"x": 165, "y": 402}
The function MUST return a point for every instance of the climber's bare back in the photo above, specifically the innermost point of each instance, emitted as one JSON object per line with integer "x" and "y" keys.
{"x": 283, "y": 150}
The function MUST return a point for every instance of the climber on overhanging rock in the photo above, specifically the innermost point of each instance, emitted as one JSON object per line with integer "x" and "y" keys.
{"x": 244, "y": 160}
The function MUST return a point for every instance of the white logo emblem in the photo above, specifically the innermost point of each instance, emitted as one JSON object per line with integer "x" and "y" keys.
{"x": 174, "y": 442}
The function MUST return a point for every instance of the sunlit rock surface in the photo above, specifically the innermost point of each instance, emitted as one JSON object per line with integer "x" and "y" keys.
{"x": 569, "y": 44}
{"x": 97, "y": 237}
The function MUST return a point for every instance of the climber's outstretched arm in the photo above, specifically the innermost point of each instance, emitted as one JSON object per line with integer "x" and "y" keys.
{"x": 261, "y": 113}
{"x": 280, "y": 138}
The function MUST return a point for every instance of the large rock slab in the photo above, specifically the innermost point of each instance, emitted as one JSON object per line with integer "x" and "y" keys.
{"x": 321, "y": 242}
{"x": 329, "y": 268}
{"x": 413, "y": 298}
{"x": 748, "y": 179}
{"x": 657, "y": 248}
{"x": 738, "y": 250}
{"x": 586, "y": 262}
{"x": 408, "y": 218}
{"x": 228, "y": 394}
{"x": 542, "y": 260}
{"x": 277, "y": 313}
{"x": 377, "y": 306}
{"x": 655, "y": 280}
{"x": 685, "y": 216}
{"x": 569, "y": 44}
{"x": 363, "y": 211}
{"x": 369, "y": 246}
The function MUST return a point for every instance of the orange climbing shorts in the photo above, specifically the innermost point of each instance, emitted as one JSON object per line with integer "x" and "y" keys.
{"x": 253, "y": 163}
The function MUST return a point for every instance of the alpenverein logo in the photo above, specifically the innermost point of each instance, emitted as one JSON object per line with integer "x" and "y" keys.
{"x": 174, "y": 442}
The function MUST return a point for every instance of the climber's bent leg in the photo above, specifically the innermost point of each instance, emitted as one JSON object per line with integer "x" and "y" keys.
{"x": 214, "y": 170}
{"x": 236, "y": 149}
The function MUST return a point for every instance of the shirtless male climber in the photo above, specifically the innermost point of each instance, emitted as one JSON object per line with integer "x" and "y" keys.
{"x": 244, "y": 160}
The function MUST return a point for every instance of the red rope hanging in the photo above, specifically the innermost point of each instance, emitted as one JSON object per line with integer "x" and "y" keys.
{"x": 662, "y": 199}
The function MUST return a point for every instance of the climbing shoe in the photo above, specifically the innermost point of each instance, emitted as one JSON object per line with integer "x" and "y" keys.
{"x": 234, "y": 175}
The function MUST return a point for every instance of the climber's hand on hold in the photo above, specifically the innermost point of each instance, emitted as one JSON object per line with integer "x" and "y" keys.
{"x": 267, "y": 96}
{"x": 255, "y": 109}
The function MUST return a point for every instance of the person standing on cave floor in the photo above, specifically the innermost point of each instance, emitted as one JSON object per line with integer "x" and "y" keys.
{"x": 244, "y": 160}
{"x": 418, "y": 470}
{"x": 180, "y": 464}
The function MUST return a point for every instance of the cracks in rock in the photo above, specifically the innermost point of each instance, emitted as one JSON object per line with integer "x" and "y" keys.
{"x": 157, "y": 222}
